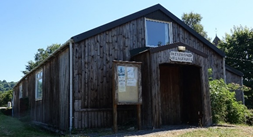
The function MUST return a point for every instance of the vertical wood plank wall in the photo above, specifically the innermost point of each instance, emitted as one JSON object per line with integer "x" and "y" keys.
{"x": 93, "y": 70}
{"x": 93, "y": 73}
{"x": 232, "y": 78}
{"x": 214, "y": 60}
{"x": 53, "y": 109}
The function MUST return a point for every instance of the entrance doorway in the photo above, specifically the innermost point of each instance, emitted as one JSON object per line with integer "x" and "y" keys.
{"x": 180, "y": 87}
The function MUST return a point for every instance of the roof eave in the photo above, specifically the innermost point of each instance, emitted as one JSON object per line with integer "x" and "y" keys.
{"x": 43, "y": 62}
{"x": 233, "y": 70}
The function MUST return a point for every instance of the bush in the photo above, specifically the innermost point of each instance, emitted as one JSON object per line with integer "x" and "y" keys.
{"x": 225, "y": 108}
{"x": 249, "y": 117}
{"x": 5, "y": 97}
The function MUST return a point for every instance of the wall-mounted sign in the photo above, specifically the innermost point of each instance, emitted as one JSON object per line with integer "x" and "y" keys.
{"x": 181, "y": 56}
{"x": 127, "y": 79}
{"x": 126, "y": 88}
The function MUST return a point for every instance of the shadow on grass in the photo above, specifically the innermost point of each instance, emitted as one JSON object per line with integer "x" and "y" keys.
{"x": 10, "y": 126}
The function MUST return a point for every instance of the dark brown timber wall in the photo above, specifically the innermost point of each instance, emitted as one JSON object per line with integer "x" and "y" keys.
{"x": 233, "y": 78}
{"x": 53, "y": 109}
{"x": 156, "y": 92}
{"x": 181, "y": 100}
{"x": 92, "y": 60}
{"x": 214, "y": 60}
{"x": 92, "y": 66}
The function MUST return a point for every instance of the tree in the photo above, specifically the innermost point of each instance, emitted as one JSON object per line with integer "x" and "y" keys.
{"x": 193, "y": 20}
{"x": 238, "y": 47}
{"x": 5, "y": 86}
{"x": 40, "y": 56}
{"x": 5, "y": 97}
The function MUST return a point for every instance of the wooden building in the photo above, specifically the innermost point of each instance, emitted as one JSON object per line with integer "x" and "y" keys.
{"x": 72, "y": 89}
{"x": 235, "y": 76}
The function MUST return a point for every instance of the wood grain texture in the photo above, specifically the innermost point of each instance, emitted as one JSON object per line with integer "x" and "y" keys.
{"x": 93, "y": 59}
{"x": 233, "y": 78}
{"x": 92, "y": 80}
{"x": 53, "y": 109}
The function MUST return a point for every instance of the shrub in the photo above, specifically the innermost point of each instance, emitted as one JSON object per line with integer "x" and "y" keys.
{"x": 225, "y": 108}
{"x": 249, "y": 117}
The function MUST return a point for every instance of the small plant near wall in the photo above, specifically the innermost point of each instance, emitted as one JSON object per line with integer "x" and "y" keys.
{"x": 225, "y": 108}
{"x": 159, "y": 43}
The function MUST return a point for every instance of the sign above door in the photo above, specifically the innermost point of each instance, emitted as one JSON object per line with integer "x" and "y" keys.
{"x": 181, "y": 56}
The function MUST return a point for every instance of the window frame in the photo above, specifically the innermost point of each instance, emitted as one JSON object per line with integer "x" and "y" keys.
{"x": 38, "y": 76}
{"x": 20, "y": 91}
{"x": 170, "y": 33}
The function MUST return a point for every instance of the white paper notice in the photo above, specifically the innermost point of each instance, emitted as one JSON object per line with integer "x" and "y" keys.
{"x": 131, "y": 82}
{"x": 130, "y": 72}
{"x": 121, "y": 79}
{"x": 122, "y": 86}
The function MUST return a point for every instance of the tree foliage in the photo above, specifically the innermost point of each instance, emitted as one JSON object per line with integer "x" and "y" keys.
{"x": 225, "y": 108}
{"x": 40, "y": 56}
{"x": 5, "y": 97}
{"x": 238, "y": 47}
{"x": 193, "y": 20}
{"x": 5, "y": 86}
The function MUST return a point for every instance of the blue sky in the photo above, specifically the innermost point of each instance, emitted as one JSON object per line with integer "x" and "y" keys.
{"x": 28, "y": 25}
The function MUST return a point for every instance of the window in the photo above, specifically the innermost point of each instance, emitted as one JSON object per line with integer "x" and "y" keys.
{"x": 38, "y": 86}
{"x": 20, "y": 91}
{"x": 158, "y": 33}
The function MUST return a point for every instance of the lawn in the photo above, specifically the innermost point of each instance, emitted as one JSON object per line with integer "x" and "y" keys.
{"x": 10, "y": 126}
{"x": 233, "y": 131}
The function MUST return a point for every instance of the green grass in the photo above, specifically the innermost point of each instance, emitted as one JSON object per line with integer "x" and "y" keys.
{"x": 237, "y": 131}
{"x": 10, "y": 126}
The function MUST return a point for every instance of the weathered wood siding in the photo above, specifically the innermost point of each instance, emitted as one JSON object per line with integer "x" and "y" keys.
{"x": 153, "y": 79}
{"x": 53, "y": 109}
{"x": 93, "y": 73}
{"x": 181, "y": 97}
{"x": 147, "y": 98}
{"x": 162, "y": 57}
{"x": 233, "y": 78}
{"x": 214, "y": 60}
{"x": 92, "y": 64}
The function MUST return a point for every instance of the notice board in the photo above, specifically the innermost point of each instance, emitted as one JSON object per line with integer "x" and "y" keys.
{"x": 127, "y": 82}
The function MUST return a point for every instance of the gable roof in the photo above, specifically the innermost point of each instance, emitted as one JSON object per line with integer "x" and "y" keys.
{"x": 233, "y": 70}
{"x": 139, "y": 14}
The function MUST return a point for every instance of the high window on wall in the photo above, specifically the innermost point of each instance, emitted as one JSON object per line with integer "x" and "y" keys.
{"x": 38, "y": 86}
{"x": 20, "y": 91}
{"x": 158, "y": 33}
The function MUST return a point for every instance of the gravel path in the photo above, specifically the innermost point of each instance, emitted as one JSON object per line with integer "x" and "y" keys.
{"x": 164, "y": 131}
{"x": 169, "y": 131}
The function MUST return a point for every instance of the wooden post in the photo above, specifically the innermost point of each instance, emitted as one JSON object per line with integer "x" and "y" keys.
{"x": 115, "y": 126}
{"x": 118, "y": 98}
{"x": 139, "y": 116}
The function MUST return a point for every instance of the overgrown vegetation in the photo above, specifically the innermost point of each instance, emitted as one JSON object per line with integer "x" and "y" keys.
{"x": 225, "y": 108}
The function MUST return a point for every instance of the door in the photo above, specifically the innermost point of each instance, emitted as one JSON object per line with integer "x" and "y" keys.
{"x": 180, "y": 89}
